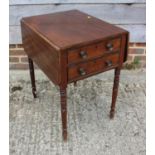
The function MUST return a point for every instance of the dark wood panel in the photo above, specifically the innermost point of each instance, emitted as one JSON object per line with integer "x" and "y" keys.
{"x": 92, "y": 67}
{"x": 96, "y": 50}
{"x": 41, "y": 53}
{"x": 70, "y": 29}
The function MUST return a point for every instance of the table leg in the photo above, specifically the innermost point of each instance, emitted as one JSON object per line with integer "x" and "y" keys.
{"x": 115, "y": 91}
{"x": 32, "y": 75}
{"x": 63, "y": 94}
{"x": 75, "y": 83}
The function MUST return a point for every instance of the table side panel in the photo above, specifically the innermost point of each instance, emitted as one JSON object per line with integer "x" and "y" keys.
{"x": 123, "y": 49}
{"x": 42, "y": 53}
{"x": 126, "y": 46}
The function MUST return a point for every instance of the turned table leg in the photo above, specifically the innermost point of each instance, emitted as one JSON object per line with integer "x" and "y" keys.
{"x": 31, "y": 68}
{"x": 115, "y": 91}
{"x": 63, "y": 94}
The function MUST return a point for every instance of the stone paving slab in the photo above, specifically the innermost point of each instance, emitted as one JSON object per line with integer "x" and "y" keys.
{"x": 35, "y": 124}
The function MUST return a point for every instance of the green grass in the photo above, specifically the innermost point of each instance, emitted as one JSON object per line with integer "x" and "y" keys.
{"x": 133, "y": 65}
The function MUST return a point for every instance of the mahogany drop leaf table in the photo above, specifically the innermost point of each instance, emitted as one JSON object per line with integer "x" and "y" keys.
{"x": 70, "y": 46}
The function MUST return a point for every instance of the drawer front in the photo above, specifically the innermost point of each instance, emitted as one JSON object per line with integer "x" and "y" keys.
{"x": 94, "y": 51}
{"x": 85, "y": 69}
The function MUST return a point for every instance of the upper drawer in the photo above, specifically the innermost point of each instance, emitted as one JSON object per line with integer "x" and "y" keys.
{"x": 93, "y": 51}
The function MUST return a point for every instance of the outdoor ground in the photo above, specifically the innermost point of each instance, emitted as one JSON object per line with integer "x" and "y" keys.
{"x": 35, "y": 124}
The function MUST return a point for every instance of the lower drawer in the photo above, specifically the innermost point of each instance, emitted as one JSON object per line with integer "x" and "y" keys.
{"x": 85, "y": 69}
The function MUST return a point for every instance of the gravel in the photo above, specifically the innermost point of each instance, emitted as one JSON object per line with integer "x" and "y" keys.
{"x": 35, "y": 124}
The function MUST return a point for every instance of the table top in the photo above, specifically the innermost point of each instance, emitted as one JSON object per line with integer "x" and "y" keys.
{"x": 72, "y": 28}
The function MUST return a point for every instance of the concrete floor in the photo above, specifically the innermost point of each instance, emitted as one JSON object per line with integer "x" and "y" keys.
{"x": 35, "y": 125}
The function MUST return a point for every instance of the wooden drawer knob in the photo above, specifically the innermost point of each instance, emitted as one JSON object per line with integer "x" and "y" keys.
{"x": 83, "y": 54}
{"x": 109, "y": 46}
{"x": 108, "y": 63}
{"x": 82, "y": 71}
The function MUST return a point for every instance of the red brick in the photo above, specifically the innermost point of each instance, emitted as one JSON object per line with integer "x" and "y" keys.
{"x": 13, "y": 59}
{"x": 136, "y": 51}
{"x": 19, "y": 66}
{"x": 24, "y": 59}
{"x": 12, "y": 46}
{"x": 19, "y": 46}
{"x": 140, "y": 57}
{"x": 131, "y": 44}
{"x": 140, "y": 44}
{"x": 17, "y": 52}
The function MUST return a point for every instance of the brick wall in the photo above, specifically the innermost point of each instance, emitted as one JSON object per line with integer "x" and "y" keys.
{"x": 137, "y": 52}
{"x": 18, "y": 58}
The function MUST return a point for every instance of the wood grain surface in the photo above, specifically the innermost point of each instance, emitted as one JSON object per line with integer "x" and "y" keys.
{"x": 42, "y": 53}
{"x": 94, "y": 50}
{"x": 92, "y": 67}
{"x": 71, "y": 28}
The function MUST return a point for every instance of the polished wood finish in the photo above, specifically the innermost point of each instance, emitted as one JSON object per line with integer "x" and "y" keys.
{"x": 99, "y": 48}
{"x": 71, "y": 46}
{"x": 63, "y": 94}
{"x": 115, "y": 91}
{"x": 92, "y": 67}
{"x": 42, "y": 53}
{"x": 71, "y": 29}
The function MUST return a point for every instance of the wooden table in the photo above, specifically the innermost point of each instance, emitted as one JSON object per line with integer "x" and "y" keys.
{"x": 70, "y": 46}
